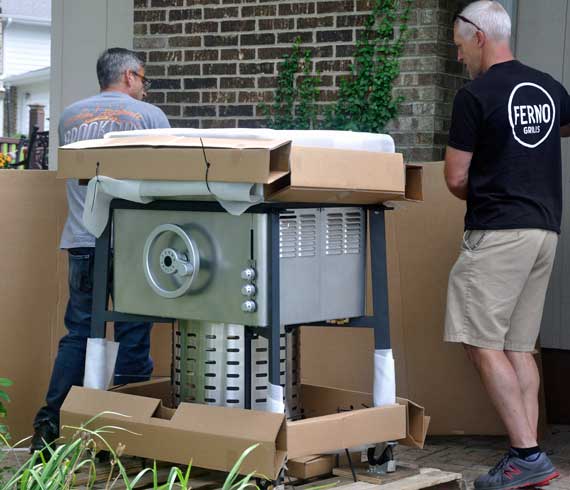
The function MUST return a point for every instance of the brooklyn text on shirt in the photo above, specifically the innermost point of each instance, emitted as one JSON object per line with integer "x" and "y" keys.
{"x": 531, "y": 113}
{"x": 90, "y": 125}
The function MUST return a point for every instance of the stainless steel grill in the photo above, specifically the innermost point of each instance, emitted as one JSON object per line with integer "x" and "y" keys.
{"x": 213, "y": 267}
{"x": 212, "y": 271}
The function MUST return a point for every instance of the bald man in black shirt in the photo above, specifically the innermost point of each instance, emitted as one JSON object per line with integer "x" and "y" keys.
{"x": 504, "y": 159}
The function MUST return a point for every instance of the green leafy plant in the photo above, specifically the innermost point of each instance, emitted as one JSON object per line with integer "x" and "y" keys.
{"x": 5, "y": 436}
{"x": 4, "y": 383}
{"x": 365, "y": 101}
{"x": 60, "y": 470}
{"x": 295, "y": 100}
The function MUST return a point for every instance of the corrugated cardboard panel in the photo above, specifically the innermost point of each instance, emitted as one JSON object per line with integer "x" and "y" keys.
{"x": 236, "y": 423}
{"x": 319, "y": 195}
{"x": 418, "y": 424}
{"x": 333, "y": 168}
{"x": 318, "y": 400}
{"x": 177, "y": 158}
{"x": 414, "y": 191}
{"x": 33, "y": 209}
{"x": 311, "y": 466}
{"x": 345, "y": 430}
{"x": 337, "y": 357}
{"x": 161, "y": 349}
{"x": 440, "y": 377}
{"x": 92, "y": 402}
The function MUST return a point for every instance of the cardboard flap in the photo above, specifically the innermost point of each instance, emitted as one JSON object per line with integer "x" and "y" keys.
{"x": 169, "y": 141}
{"x": 333, "y": 168}
{"x": 92, "y": 402}
{"x": 417, "y": 424}
{"x": 345, "y": 430}
{"x": 160, "y": 388}
{"x": 251, "y": 425}
{"x": 320, "y": 400}
{"x": 414, "y": 188}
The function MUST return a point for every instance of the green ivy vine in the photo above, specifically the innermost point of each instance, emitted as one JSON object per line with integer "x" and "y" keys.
{"x": 295, "y": 101}
{"x": 365, "y": 101}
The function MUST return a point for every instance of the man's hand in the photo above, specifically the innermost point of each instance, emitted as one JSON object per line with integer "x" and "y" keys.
{"x": 456, "y": 171}
{"x": 565, "y": 131}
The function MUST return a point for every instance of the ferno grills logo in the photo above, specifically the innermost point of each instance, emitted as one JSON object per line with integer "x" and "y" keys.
{"x": 533, "y": 121}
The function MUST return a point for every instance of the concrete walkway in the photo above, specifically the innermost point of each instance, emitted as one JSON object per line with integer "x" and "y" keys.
{"x": 472, "y": 456}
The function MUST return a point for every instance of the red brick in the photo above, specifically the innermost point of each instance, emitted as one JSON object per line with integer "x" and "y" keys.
{"x": 185, "y": 14}
{"x": 335, "y": 6}
{"x": 236, "y": 82}
{"x": 219, "y": 68}
{"x": 201, "y": 55}
{"x": 150, "y": 15}
{"x": 237, "y": 25}
{"x": 166, "y": 28}
{"x": 275, "y": 24}
{"x": 297, "y": 8}
{"x": 257, "y": 39}
{"x": 183, "y": 97}
{"x": 185, "y": 41}
{"x": 199, "y": 110}
{"x": 201, "y": 27}
{"x": 221, "y": 13}
{"x": 259, "y": 11}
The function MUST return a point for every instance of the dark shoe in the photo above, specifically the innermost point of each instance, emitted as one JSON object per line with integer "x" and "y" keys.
{"x": 514, "y": 472}
{"x": 44, "y": 435}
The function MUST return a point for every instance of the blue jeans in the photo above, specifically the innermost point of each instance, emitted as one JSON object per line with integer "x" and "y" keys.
{"x": 133, "y": 361}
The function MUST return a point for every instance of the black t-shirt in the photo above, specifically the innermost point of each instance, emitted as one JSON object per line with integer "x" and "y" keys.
{"x": 510, "y": 119}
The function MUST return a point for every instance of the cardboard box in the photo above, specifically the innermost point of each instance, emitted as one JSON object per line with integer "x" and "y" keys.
{"x": 324, "y": 175}
{"x": 290, "y": 174}
{"x": 214, "y": 437}
{"x": 176, "y": 158}
{"x": 311, "y": 466}
{"x": 319, "y": 400}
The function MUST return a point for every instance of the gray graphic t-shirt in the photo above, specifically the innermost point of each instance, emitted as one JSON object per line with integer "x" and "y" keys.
{"x": 92, "y": 118}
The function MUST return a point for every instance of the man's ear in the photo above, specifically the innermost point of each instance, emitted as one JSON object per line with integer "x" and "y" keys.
{"x": 481, "y": 38}
{"x": 128, "y": 78}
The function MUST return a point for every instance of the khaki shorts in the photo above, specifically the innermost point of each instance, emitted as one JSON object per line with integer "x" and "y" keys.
{"x": 497, "y": 288}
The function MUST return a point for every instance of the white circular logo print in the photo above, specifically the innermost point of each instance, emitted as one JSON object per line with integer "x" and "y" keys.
{"x": 531, "y": 113}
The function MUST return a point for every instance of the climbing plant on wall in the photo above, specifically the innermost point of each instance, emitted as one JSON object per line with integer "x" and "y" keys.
{"x": 295, "y": 100}
{"x": 365, "y": 101}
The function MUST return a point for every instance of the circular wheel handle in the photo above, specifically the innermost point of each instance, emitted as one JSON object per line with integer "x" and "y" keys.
{"x": 185, "y": 264}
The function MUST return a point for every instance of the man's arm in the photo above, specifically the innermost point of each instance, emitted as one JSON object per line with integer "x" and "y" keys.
{"x": 565, "y": 131}
{"x": 456, "y": 171}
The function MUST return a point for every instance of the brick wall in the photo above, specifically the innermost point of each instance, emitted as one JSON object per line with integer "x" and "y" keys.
{"x": 213, "y": 61}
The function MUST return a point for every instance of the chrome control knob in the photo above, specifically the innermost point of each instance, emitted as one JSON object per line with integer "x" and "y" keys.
{"x": 248, "y": 290}
{"x": 249, "y": 306}
{"x": 248, "y": 274}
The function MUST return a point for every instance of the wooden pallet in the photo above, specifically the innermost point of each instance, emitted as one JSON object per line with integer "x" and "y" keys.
{"x": 405, "y": 478}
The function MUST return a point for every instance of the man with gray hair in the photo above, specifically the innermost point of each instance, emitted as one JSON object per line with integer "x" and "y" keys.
{"x": 504, "y": 159}
{"x": 118, "y": 107}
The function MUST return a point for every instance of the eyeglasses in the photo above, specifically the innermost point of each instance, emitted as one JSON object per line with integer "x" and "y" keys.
{"x": 147, "y": 84}
{"x": 465, "y": 19}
